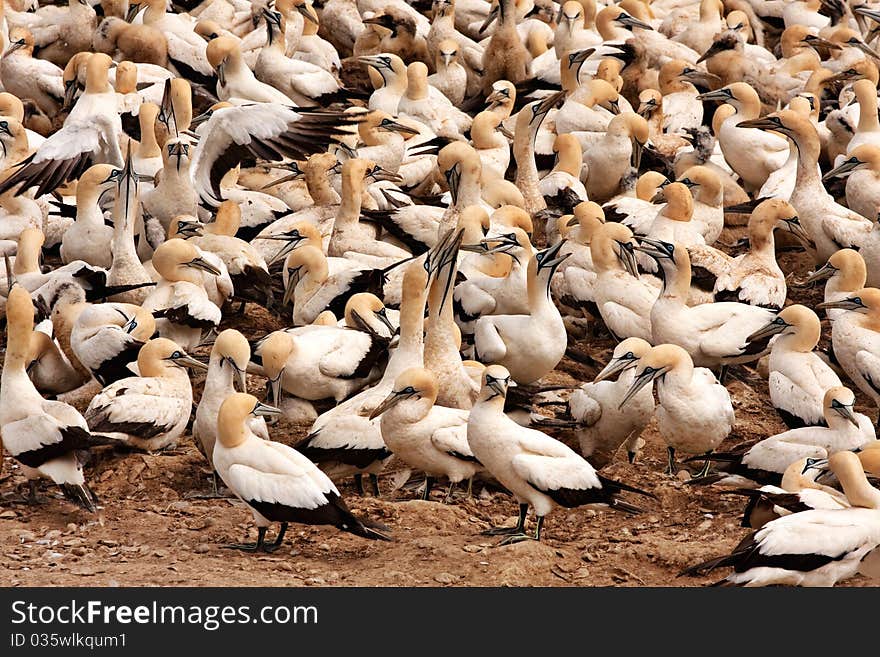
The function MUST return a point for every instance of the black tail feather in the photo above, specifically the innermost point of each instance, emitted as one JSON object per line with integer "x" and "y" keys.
{"x": 81, "y": 495}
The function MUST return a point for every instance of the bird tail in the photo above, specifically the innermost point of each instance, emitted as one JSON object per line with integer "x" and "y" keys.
{"x": 618, "y": 485}
{"x": 105, "y": 292}
{"x": 708, "y": 566}
{"x": 626, "y": 507}
{"x": 367, "y": 529}
{"x": 81, "y": 495}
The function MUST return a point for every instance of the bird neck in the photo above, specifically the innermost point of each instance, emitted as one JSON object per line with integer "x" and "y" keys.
{"x": 676, "y": 281}
{"x": 148, "y": 146}
{"x": 232, "y": 434}
{"x": 350, "y": 206}
{"x": 868, "y": 120}
{"x": 318, "y": 185}
{"x": 538, "y": 290}
{"x": 569, "y": 160}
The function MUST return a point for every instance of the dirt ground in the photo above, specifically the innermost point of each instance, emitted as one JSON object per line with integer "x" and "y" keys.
{"x": 155, "y": 533}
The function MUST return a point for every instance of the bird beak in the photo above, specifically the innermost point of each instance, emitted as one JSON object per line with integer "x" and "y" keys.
{"x": 721, "y": 95}
{"x": 15, "y": 45}
{"x": 499, "y": 386}
{"x": 70, "y": 88}
{"x": 303, "y": 9}
{"x": 221, "y": 75}
{"x": 189, "y": 228}
{"x": 378, "y": 173}
{"x": 240, "y": 374}
{"x": 614, "y": 366}
{"x": 651, "y": 247}
{"x": 203, "y": 265}
{"x": 504, "y": 131}
{"x": 130, "y": 325}
{"x": 864, "y": 47}
{"x": 714, "y": 49}
{"x": 846, "y": 411}
{"x": 133, "y": 10}
{"x": 491, "y": 18}
{"x": 842, "y": 77}
{"x": 826, "y": 271}
{"x": 771, "y": 329}
{"x": 627, "y": 258}
{"x": 702, "y": 78}
{"x": 647, "y": 107}
{"x": 845, "y": 167}
{"x": 637, "y": 150}
{"x": 842, "y": 304}
{"x": 453, "y": 178}
{"x": 496, "y": 97}
{"x": 391, "y": 400}
{"x": 818, "y": 42}
{"x": 383, "y": 317}
{"x": 797, "y": 229}
{"x": 631, "y": 22}
{"x": 874, "y": 15}
{"x": 290, "y": 289}
{"x": 291, "y": 243}
{"x": 547, "y": 258}
{"x": 574, "y": 221}
{"x": 275, "y": 388}
{"x": 265, "y": 410}
{"x": 200, "y": 119}
{"x": 547, "y": 104}
{"x": 188, "y": 361}
{"x": 641, "y": 380}
{"x": 399, "y": 127}
{"x": 761, "y": 124}
{"x": 816, "y": 464}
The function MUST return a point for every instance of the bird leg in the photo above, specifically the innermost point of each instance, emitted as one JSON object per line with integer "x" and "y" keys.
{"x": 449, "y": 493}
{"x": 359, "y": 484}
{"x": 722, "y": 374}
{"x": 250, "y": 547}
{"x": 520, "y": 526}
{"x": 538, "y": 528}
{"x": 271, "y": 547}
{"x": 32, "y": 497}
{"x": 670, "y": 468}
{"x": 706, "y": 464}
{"x": 470, "y": 488}
{"x": 429, "y": 484}
{"x": 374, "y": 479}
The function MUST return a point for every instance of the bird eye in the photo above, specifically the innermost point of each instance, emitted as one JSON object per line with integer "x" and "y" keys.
{"x": 408, "y": 390}
{"x": 628, "y": 356}
{"x": 857, "y": 300}
{"x": 779, "y": 321}
{"x": 176, "y": 354}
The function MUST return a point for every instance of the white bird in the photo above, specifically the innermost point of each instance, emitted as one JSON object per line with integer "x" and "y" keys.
{"x": 538, "y": 470}
{"x": 714, "y": 334}
{"x": 846, "y": 273}
{"x": 798, "y": 376}
{"x": 425, "y": 435}
{"x": 324, "y": 362}
{"x": 766, "y": 460}
{"x": 623, "y": 300}
{"x": 602, "y": 424}
{"x": 43, "y": 436}
{"x": 753, "y": 277}
{"x": 813, "y": 548}
{"x": 149, "y": 411}
{"x": 89, "y": 238}
{"x": 179, "y": 302}
{"x": 694, "y": 413}
{"x": 227, "y": 370}
{"x": 90, "y": 135}
{"x": 856, "y": 340}
{"x": 107, "y": 337}
{"x": 278, "y": 483}
{"x": 344, "y": 441}
{"x": 797, "y": 492}
{"x": 510, "y": 340}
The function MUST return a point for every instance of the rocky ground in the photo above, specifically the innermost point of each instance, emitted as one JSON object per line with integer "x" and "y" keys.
{"x": 154, "y": 532}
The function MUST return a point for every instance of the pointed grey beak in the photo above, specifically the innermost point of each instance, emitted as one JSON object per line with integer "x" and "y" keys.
{"x": 383, "y": 317}
{"x": 649, "y": 375}
{"x": 775, "y": 327}
{"x": 390, "y": 401}
{"x": 203, "y": 265}
{"x": 843, "y": 304}
{"x": 846, "y": 166}
{"x": 265, "y": 410}
{"x": 188, "y": 361}
{"x": 491, "y": 18}
{"x": 844, "y": 411}
{"x": 627, "y": 258}
{"x": 615, "y": 366}
{"x": 826, "y": 271}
